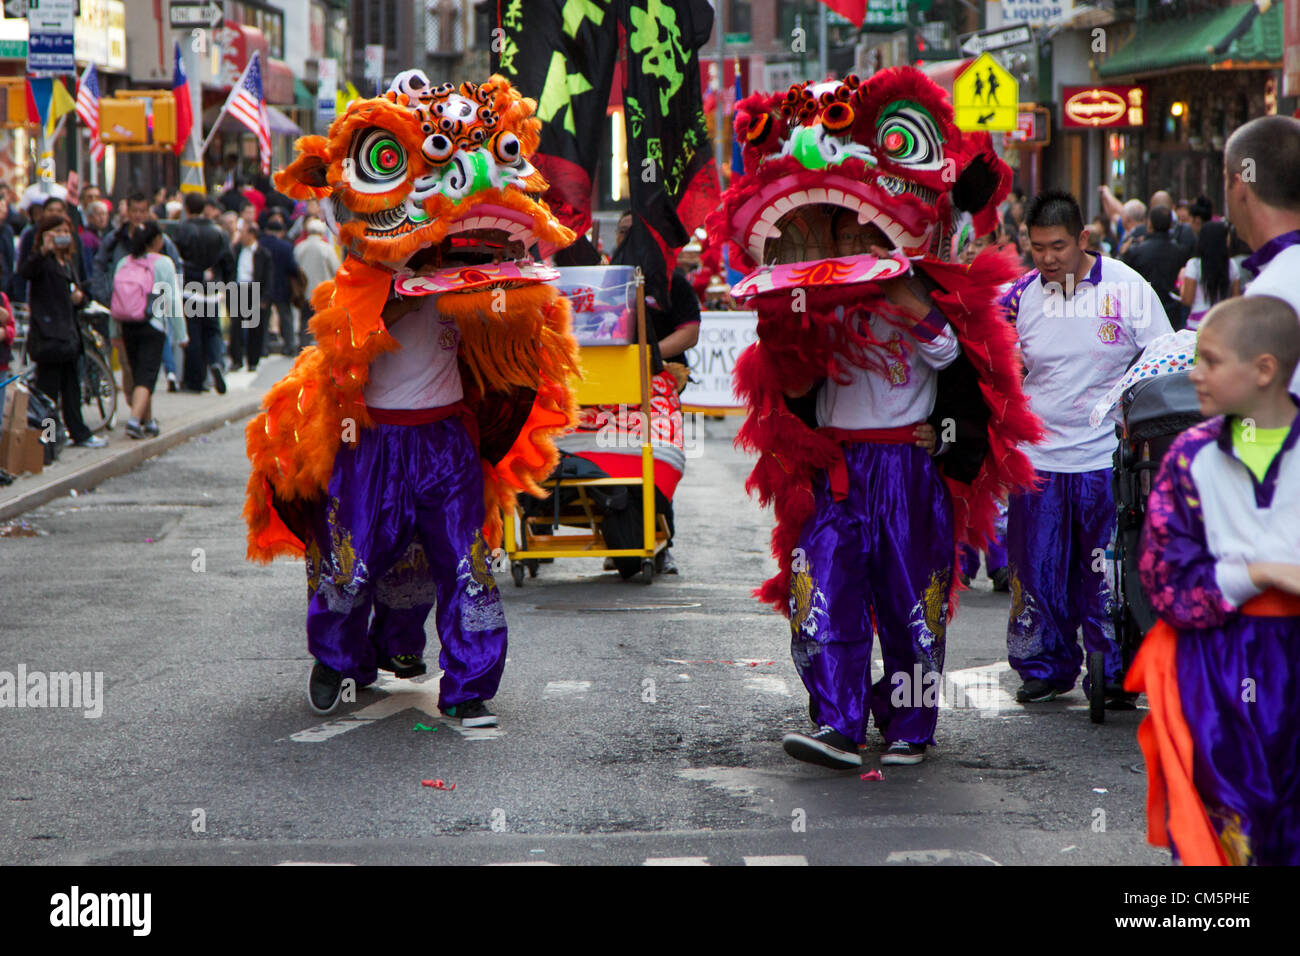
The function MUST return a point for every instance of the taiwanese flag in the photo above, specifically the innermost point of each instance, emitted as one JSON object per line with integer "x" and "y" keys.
{"x": 561, "y": 54}
{"x": 672, "y": 177}
{"x": 184, "y": 111}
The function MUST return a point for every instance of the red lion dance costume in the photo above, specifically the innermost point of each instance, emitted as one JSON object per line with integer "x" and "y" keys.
{"x": 432, "y": 395}
{"x": 867, "y": 522}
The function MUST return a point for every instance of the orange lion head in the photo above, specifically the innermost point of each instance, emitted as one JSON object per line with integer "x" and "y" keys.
{"x": 427, "y": 180}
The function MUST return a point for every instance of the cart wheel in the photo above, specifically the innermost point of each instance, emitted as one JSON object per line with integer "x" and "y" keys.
{"x": 647, "y": 571}
{"x": 517, "y": 572}
{"x": 1097, "y": 687}
{"x": 532, "y": 565}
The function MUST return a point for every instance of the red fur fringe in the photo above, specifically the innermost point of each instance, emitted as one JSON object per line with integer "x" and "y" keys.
{"x": 790, "y": 452}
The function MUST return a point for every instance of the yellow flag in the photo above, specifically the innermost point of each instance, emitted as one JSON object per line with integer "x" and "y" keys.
{"x": 343, "y": 97}
{"x": 60, "y": 104}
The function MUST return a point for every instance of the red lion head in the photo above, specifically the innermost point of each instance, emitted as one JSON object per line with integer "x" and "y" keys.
{"x": 881, "y": 155}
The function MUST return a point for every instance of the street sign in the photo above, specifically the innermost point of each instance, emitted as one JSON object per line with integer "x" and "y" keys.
{"x": 1038, "y": 12}
{"x": 50, "y": 29}
{"x": 978, "y": 43}
{"x": 1088, "y": 107}
{"x": 737, "y": 38}
{"x": 985, "y": 97}
{"x": 885, "y": 13}
{"x": 186, "y": 15}
{"x": 16, "y": 9}
{"x": 375, "y": 63}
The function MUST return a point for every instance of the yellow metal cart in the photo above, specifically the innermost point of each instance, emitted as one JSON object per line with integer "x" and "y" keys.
{"x": 612, "y": 375}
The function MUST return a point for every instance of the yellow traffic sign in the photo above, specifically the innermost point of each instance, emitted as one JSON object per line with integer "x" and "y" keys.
{"x": 985, "y": 97}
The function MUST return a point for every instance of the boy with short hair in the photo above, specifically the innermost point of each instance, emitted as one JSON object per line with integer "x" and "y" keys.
{"x": 1220, "y": 562}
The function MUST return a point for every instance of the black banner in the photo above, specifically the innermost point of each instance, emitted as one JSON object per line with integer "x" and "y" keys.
{"x": 672, "y": 177}
{"x": 561, "y": 53}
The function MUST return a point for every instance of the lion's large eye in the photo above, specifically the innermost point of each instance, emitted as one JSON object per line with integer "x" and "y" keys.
{"x": 380, "y": 160}
{"x": 505, "y": 147}
{"x": 907, "y": 135}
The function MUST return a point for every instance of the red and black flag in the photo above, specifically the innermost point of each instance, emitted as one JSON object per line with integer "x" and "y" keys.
{"x": 561, "y": 53}
{"x": 672, "y": 176}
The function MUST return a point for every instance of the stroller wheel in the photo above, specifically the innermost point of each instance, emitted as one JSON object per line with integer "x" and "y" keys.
{"x": 1097, "y": 687}
{"x": 532, "y": 566}
{"x": 517, "y": 573}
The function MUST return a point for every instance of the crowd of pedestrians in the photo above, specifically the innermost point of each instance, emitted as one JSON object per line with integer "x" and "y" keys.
{"x": 197, "y": 285}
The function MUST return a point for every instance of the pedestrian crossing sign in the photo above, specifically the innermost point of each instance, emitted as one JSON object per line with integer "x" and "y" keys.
{"x": 985, "y": 97}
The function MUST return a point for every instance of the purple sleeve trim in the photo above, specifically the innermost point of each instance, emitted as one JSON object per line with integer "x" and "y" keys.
{"x": 929, "y": 328}
{"x": 1178, "y": 571}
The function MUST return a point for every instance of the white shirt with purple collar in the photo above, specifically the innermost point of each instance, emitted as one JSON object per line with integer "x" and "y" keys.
{"x": 1074, "y": 350}
{"x": 903, "y": 391}
{"x": 1276, "y": 265}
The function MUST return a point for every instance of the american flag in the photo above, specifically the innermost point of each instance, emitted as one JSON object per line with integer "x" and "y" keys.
{"x": 88, "y": 110}
{"x": 247, "y": 104}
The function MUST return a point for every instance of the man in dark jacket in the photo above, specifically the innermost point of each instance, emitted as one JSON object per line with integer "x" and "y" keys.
{"x": 118, "y": 243}
{"x": 207, "y": 257}
{"x": 1158, "y": 258}
{"x": 286, "y": 271}
{"x": 254, "y": 272}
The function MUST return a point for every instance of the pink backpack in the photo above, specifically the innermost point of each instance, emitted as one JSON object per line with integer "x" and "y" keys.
{"x": 132, "y": 289}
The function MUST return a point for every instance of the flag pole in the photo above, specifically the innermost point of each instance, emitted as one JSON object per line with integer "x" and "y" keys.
{"x": 192, "y": 157}
{"x": 204, "y": 148}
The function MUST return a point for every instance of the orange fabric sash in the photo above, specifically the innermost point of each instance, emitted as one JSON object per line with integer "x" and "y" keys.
{"x": 1174, "y": 808}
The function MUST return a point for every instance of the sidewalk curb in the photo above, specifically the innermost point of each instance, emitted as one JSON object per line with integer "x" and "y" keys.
{"x": 132, "y": 455}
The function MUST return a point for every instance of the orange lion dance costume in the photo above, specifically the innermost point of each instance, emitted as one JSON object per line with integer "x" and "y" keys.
{"x": 433, "y": 393}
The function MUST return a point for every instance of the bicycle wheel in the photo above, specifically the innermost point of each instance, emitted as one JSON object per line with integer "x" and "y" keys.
{"x": 98, "y": 393}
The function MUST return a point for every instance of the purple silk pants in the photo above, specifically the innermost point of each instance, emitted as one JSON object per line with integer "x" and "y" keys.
{"x": 881, "y": 560}
{"x": 1237, "y": 687}
{"x": 1057, "y": 540}
{"x": 401, "y": 530}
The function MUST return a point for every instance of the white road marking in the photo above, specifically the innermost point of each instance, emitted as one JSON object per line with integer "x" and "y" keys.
{"x": 776, "y": 861}
{"x": 567, "y": 688}
{"x": 767, "y": 685}
{"x": 978, "y": 688}
{"x": 677, "y": 861}
{"x": 399, "y": 696}
{"x": 933, "y": 857}
{"x": 310, "y": 863}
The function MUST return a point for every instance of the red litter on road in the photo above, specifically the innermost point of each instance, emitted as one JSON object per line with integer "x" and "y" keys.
{"x": 437, "y": 785}
{"x": 872, "y": 775}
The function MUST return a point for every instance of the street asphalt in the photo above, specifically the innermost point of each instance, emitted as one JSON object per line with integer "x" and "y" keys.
{"x": 638, "y": 723}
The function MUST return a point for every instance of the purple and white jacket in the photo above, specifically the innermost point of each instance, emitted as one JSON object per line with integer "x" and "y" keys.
{"x": 1208, "y": 517}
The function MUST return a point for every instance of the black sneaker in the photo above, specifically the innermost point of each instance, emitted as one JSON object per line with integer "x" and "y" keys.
{"x": 172, "y": 384}
{"x": 472, "y": 713}
{"x": 151, "y": 428}
{"x": 664, "y": 563}
{"x": 900, "y": 752}
{"x": 404, "y": 665}
{"x": 828, "y": 748}
{"x": 133, "y": 429}
{"x": 324, "y": 688}
{"x": 218, "y": 379}
{"x": 1036, "y": 692}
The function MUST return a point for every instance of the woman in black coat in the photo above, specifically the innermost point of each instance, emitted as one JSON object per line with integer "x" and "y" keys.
{"x": 53, "y": 338}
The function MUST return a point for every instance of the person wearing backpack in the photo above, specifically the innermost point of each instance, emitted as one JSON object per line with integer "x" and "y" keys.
{"x": 146, "y": 304}
{"x": 53, "y": 338}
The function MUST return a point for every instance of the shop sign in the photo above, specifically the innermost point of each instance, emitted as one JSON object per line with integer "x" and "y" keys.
{"x": 1093, "y": 107}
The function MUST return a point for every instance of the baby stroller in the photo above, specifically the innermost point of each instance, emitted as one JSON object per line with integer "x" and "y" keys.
{"x": 1154, "y": 410}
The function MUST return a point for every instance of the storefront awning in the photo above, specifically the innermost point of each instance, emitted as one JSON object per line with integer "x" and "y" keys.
{"x": 944, "y": 72}
{"x": 280, "y": 124}
{"x": 1189, "y": 42}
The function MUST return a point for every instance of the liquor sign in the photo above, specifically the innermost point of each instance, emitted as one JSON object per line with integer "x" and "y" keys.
{"x": 1092, "y": 107}
{"x": 1039, "y": 13}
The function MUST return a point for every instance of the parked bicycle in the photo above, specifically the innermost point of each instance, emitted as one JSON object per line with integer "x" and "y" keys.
{"x": 94, "y": 367}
